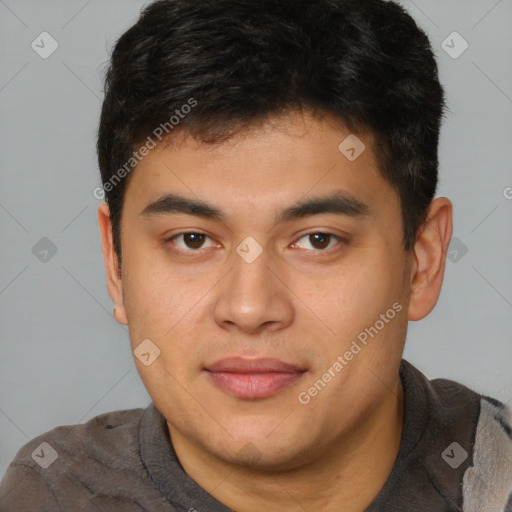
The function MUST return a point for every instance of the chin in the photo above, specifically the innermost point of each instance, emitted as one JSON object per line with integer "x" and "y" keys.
{"x": 260, "y": 456}
{"x": 259, "y": 450}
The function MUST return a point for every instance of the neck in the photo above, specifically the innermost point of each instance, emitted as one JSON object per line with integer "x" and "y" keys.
{"x": 347, "y": 476}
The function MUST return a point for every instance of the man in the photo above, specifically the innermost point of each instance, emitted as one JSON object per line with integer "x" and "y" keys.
{"x": 269, "y": 229}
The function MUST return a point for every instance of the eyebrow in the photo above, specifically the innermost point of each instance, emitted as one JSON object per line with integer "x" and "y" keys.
{"x": 338, "y": 203}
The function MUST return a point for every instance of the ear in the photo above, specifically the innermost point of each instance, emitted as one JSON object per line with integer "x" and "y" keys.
{"x": 430, "y": 251}
{"x": 113, "y": 274}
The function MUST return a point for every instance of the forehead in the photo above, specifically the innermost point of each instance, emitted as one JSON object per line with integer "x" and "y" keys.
{"x": 276, "y": 164}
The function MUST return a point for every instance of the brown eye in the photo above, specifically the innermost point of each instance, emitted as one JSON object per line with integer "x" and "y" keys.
{"x": 319, "y": 241}
{"x": 189, "y": 242}
{"x": 194, "y": 240}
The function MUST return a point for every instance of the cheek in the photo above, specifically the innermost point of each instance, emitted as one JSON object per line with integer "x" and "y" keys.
{"x": 152, "y": 299}
{"x": 164, "y": 308}
{"x": 149, "y": 286}
{"x": 358, "y": 295}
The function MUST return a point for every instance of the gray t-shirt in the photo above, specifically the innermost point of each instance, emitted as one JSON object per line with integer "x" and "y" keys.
{"x": 455, "y": 454}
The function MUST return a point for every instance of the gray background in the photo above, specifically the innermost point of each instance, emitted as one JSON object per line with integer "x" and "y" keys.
{"x": 64, "y": 359}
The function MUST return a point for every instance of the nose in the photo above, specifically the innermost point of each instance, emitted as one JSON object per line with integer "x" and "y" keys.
{"x": 254, "y": 297}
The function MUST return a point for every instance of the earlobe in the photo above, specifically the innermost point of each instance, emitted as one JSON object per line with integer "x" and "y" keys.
{"x": 429, "y": 255}
{"x": 112, "y": 270}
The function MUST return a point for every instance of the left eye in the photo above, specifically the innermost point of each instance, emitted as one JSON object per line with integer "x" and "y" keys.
{"x": 320, "y": 240}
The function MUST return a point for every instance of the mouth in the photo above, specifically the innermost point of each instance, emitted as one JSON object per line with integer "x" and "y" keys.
{"x": 252, "y": 379}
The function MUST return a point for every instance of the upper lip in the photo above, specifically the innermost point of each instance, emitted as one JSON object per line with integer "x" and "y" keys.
{"x": 261, "y": 365}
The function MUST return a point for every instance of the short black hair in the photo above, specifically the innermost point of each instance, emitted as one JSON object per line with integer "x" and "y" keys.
{"x": 213, "y": 68}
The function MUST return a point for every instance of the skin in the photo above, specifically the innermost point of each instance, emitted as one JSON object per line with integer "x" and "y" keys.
{"x": 301, "y": 301}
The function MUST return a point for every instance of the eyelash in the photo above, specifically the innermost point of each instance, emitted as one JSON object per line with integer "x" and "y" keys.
{"x": 338, "y": 238}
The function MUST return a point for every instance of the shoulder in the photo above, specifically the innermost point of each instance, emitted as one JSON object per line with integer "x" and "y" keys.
{"x": 462, "y": 440}
{"x": 108, "y": 437}
{"x": 108, "y": 442}
{"x": 442, "y": 408}
{"x": 488, "y": 482}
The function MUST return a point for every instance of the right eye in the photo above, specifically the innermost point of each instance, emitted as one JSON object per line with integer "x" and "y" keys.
{"x": 188, "y": 241}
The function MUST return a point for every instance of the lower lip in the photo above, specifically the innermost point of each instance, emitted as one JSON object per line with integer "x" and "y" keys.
{"x": 253, "y": 385}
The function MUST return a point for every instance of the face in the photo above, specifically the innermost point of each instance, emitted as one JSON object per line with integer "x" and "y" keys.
{"x": 279, "y": 304}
